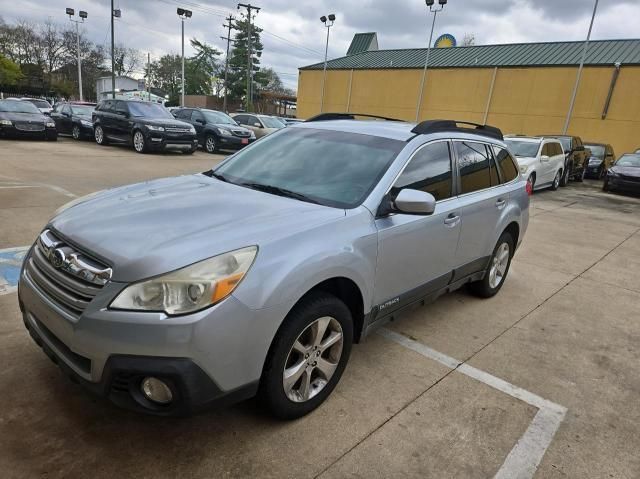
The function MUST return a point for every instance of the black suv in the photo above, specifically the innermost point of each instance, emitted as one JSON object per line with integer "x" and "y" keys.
{"x": 576, "y": 158}
{"x": 216, "y": 130}
{"x": 148, "y": 126}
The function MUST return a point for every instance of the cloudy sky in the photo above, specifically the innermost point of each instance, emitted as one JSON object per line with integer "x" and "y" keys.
{"x": 294, "y": 36}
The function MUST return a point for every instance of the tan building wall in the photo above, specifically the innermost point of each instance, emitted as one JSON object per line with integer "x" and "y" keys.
{"x": 524, "y": 100}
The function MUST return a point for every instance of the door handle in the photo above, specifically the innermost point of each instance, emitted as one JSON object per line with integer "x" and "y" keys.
{"x": 500, "y": 203}
{"x": 452, "y": 220}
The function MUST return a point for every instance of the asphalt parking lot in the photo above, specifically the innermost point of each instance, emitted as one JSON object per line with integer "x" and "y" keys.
{"x": 542, "y": 380}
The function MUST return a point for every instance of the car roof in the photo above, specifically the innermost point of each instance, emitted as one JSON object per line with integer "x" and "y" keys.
{"x": 396, "y": 130}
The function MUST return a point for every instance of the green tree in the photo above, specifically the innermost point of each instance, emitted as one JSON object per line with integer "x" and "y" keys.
{"x": 237, "y": 83}
{"x": 10, "y": 72}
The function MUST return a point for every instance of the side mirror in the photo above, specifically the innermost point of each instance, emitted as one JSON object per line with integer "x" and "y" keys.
{"x": 257, "y": 124}
{"x": 415, "y": 202}
{"x": 201, "y": 121}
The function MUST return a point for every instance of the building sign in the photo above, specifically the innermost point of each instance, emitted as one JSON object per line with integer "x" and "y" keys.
{"x": 445, "y": 41}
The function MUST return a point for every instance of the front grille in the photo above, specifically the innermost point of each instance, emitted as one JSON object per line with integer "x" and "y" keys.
{"x": 172, "y": 129}
{"x": 241, "y": 133}
{"x": 121, "y": 382}
{"x": 23, "y": 126}
{"x": 66, "y": 276}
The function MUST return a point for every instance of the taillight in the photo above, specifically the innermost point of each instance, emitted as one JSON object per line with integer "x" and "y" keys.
{"x": 529, "y": 188}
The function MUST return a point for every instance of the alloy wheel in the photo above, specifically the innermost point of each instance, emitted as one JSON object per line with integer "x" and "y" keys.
{"x": 138, "y": 141}
{"x": 75, "y": 132}
{"x": 99, "y": 134}
{"x": 556, "y": 181}
{"x": 210, "y": 144}
{"x": 313, "y": 359}
{"x": 499, "y": 265}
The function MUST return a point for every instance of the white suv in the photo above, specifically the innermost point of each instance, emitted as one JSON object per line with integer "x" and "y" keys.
{"x": 541, "y": 160}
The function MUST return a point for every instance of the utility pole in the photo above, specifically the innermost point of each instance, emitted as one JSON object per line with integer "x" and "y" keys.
{"x": 582, "y": 59}
{"x": 148, "y": 76}
{"x": 248, "y": 96}
{"x": 229, "y": 26}
{"x": 114, "y": 13}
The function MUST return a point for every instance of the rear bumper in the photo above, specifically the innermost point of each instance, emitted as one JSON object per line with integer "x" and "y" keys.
{"x": 234, "y": 142}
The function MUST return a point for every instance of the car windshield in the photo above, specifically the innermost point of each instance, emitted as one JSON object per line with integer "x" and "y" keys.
{"x": 596, "y": 150}
{"x": 18, "y": 107}
{"x": 523, "y": 148}
{"x": 150, "y": 110}
{"x": 218, "y": 117}
{"x": 82, "y": 110}
{"x": 629, "y": 160}
{"x": 321, "y": 166}
{"x": 271, "y": 122}
{"x": 40, "y": 103}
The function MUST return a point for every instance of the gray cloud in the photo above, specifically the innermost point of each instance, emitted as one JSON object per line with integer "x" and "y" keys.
{"x": 153, "y": 26}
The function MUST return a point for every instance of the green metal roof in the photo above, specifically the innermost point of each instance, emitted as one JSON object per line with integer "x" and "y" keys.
{"x": 361, "y": 43}
{"x": 600, "y": 52}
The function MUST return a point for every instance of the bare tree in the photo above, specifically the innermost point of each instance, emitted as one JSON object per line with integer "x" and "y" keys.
{"x": 469, "y": 39}
{"x": 53, "y": 45}
{"x": 127, "y": 60}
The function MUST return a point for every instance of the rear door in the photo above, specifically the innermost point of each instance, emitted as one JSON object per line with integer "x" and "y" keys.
{"x": 121, "y": 128}
{"x": 105, "y": 117}
{"x": 416, "y": 253}
{"x": 556, "y": 159}
{"x": 482, "y": 200}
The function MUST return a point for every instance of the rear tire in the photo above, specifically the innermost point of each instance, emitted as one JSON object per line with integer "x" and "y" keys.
{"x": 298, "y": 378}
{"x": 565, "y": 176}
{"x": 498, "y": 269}
{"x": 556, "y": 181}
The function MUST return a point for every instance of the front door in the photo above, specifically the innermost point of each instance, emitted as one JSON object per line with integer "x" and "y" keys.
{"x": 121, "y": 122}
{"x": 416, "y": 253}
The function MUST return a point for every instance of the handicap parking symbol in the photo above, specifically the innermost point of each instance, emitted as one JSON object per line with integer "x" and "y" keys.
{"x": 10, "y": 264}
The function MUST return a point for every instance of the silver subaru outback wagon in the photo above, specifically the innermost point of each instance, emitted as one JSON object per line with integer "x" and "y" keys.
{"x": 255, "y": 278}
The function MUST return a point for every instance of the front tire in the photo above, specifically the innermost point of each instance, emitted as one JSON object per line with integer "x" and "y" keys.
{"x": 139, "y": 142}
{"x": 556, "y": 181}
{"x": 566, "y": 175}
{"x": 75, "y": 132}
{"x": 100, "y": 137}
{"x": 532, "y": 181}
{"x": 210, "y": 144}
{"x": 499, "y": 265}
{"x": 307, "y": 356}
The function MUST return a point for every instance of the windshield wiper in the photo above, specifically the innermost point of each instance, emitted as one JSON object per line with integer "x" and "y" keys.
{"x": 279, "y": 191}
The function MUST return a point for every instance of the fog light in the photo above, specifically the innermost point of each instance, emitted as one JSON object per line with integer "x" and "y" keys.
{"x": 156, "y": 390}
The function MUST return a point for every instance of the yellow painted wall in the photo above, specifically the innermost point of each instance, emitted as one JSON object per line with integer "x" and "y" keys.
{"x": 525, "y": 100}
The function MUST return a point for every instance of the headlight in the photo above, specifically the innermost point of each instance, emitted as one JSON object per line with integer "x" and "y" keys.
{"x": 224, "y": 131}
{"x": 192, "y": 128}
{"x": 524, "y": 169}
{"x": 610, "y": 172}
{"x": 189, "y": 289}
{"x": 155, "y": 128}
{"x": 50, "y": 124}
{"x": 86, "y": 123}
{"x": 6, "y": 122}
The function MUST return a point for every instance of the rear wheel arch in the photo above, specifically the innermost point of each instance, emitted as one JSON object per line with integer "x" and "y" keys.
{"x": 513, "y": 229}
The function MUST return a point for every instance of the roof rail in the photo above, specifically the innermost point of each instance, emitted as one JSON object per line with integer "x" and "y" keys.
{"x": 347, "y": 116}
{"x": 437, "y": 126}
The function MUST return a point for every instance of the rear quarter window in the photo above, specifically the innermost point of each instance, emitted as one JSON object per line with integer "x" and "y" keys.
{"x": 506, "y": 163}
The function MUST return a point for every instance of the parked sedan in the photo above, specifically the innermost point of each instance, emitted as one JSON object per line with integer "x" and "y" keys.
{"x": 262, "y": 125}
{"x": 74, "y": 119}
{"x": 624, "y": 174}
{"x": 541, "y": 160}
{"x": 601, "y": 159}
{"x": 41, "y": 104}
{"x": 21, "y": 119}
{"x": 215, "y": 129}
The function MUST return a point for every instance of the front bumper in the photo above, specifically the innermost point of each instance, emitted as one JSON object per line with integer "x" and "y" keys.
{"x": 618, "y": 183}
{"x": 234, "y": 142}
{"x": 158, "y": 140}
{"x": 210, "y": 358}
{"x": 13, "y": 132}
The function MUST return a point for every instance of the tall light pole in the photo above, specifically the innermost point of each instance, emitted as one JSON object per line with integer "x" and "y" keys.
{"x": 114, "y": 14}
{"x": 82, "y": 14}
{"x": 435, "y": 10}
{"x": 183, "y": 14}
{"x": 328, "y": 23}
{"x": 579, "y": 74}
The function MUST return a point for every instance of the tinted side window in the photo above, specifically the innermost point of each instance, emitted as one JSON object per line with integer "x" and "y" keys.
{"x": 241, "y": 119}
{"x": 66, "y": 109}
{"x": 107, "y": 105}
{"x": 196, "y": 115}
{"x": 121, "y": 107}
{"x": 507, "y": 166}
{"x": 473, "y": 165}
{"x": 182, "y": 114}
{"x": 558, "y": 149}
{"x": 429, "y": 170}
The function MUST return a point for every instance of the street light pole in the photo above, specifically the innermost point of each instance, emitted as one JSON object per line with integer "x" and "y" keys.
{"x": 430, "y": 4}
{"x": 328, "y": 23}
{"x": 579, "y": 74}
{"x": 183, "y": 14}
{"x": 82, "y": 14}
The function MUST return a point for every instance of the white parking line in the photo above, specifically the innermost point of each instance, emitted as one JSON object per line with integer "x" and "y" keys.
{"x": 523, "y": 460}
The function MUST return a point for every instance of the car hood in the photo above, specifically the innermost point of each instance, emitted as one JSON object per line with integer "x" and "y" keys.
{"x": 227, "y": 126}
{"x": 626, "y": 170}
{"x": 151, "y": 228}
{"x": 9, "y": 115}
{"x": 525, "y": 160}
{"x": 162, "y": 121}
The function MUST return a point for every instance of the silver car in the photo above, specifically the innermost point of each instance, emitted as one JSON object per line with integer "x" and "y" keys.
{"x": 257, "y": 277}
